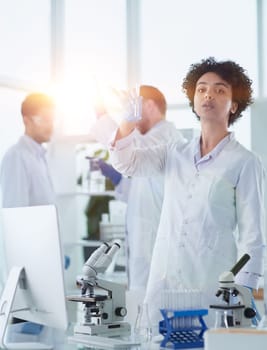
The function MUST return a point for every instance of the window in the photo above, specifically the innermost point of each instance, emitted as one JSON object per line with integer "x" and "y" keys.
{"x": 178, "y": 33}
{"x": 95, "y": 56}
{"x": 11, "y": 119}
{"x": 25, "y": 40}
{"x": 175, "y": 34}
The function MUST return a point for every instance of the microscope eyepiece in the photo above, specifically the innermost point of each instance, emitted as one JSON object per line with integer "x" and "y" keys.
{"x": 241, "y": 262}
{"x": 117, "y": 244}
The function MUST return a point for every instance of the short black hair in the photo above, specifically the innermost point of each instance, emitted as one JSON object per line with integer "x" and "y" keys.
{"x": 34, "y": 102}
{"x": 152, "y": 93}
{"x": 229, "y": 71}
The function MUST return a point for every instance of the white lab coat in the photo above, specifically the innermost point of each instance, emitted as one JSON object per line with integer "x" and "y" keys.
{"x": 196, "y": 240}
{"x": 144, "y": 207}
{"x": 25, "y": 179}
{"x": 143, "y": 195}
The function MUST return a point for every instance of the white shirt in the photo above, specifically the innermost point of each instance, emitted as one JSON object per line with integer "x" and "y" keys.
{"x": 202, "y": 208}
{"x": 25, "y": 179}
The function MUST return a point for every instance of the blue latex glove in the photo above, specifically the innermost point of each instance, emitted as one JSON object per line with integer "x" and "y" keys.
{"x": 31, "y": 328}
{"x": 108, "y": 171}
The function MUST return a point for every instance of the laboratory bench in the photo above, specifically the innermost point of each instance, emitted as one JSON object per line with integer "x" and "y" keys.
{"x": 60, "y": 339}
{"x": 215, "y": 339}
{"x": 61, "y": 342}
{"x": 220, "y": 339}
{"x": 66, "y": 345}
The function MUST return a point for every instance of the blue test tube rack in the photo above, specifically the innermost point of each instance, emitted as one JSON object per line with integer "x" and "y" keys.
{"x": 184, "y": 329}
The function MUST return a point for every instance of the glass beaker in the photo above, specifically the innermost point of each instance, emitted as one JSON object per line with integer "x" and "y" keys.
{"x": 221, "y": 320}
{"x": 137, "y": 103}
{"x": 143, "y": 328}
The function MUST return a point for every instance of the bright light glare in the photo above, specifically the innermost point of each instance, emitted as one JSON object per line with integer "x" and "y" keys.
{"x": 77, "y": 102}
{"x": 75, "y": 112}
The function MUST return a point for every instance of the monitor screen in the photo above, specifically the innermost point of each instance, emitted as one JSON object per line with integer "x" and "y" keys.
{"x": 32, "y": 241}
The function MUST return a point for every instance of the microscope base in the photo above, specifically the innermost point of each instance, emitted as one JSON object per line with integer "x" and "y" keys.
{"x": 236, "y": 315}
{"x": 110, "y": 329}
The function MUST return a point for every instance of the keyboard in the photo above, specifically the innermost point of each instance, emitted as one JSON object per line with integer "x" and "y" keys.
{"x": 102, "y": 342}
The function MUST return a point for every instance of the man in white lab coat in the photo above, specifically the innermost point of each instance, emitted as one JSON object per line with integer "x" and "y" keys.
{"x": 144, "y": 195}
{"x": 25, "y": 179}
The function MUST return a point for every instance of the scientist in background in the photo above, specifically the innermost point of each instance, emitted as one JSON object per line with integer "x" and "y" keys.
{"x": 213, "y": 186}
{"x": 25, "y": 178}
{"x": 144, "y": 195}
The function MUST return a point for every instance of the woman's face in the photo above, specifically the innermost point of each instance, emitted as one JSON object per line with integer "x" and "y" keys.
{"x": 213, "y": 99}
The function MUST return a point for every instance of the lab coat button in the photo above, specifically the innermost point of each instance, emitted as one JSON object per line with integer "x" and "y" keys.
{"x": 190, "y": 196}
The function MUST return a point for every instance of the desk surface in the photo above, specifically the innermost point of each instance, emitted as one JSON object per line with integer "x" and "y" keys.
{"x": 145, "y": 346}
{"x": 60, "y": 341}
{"x": 66, "y": 345}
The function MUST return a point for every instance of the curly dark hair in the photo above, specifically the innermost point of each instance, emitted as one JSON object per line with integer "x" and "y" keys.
{"x": 229, "y": 71}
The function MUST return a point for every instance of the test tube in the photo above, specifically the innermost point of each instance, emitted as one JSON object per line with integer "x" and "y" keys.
{"x": 137, "y": 103}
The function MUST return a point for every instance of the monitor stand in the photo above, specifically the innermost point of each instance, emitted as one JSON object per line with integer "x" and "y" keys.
{"x": 15, "y": 277}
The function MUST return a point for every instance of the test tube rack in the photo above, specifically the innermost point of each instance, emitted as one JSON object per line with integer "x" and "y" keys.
{"x": 184, "y": 329}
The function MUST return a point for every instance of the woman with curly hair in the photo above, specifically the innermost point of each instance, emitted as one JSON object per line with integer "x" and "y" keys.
{"x": 213, "y": 208}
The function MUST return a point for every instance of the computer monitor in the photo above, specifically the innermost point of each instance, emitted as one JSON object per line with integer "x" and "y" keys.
{"x": 34, "y": 290}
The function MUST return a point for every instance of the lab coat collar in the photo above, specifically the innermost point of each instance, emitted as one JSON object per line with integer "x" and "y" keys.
{"x": 213, "y": 153}
{"x": 163, "y": 121}
{"x": 152, "y": 130}
{"x": 33, "y": 146}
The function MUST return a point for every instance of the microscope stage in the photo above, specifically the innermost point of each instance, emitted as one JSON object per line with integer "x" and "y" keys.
{"x": 227, "y": 307}
{"x": 86, "y": 298}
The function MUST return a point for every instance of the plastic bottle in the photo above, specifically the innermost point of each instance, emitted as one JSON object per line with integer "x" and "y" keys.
{"x": 96, "y": 179}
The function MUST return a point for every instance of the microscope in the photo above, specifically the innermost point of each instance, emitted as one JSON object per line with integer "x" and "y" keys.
{"x": 104, "y": 301}
{"x": 236, "y": 299}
